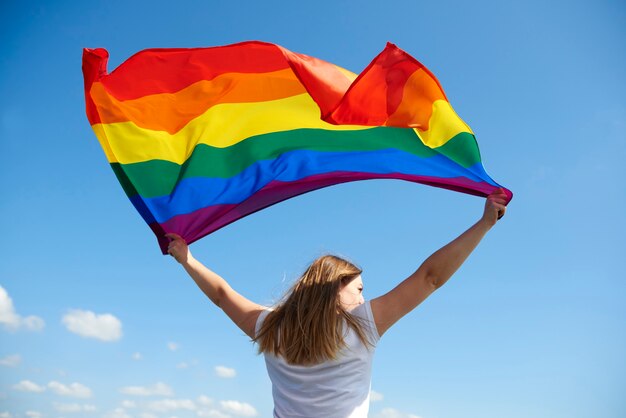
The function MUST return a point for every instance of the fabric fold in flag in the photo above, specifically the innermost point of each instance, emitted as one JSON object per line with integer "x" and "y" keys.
{"x": 202, "y": 137}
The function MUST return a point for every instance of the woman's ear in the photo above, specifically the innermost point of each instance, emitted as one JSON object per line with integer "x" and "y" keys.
{"x": 344, "y": 282}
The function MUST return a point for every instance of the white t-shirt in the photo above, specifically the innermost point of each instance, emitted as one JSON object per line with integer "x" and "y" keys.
{"x": 332, "y": 389}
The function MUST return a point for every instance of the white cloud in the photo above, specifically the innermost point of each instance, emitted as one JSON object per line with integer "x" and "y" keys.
{"x": 158, "y": 389}
{"x": 71, "y": 408}
{"x": 167, "y": 405}
{"x": 212, "y": 413}
{"x": 117, "y": 413}
{"x": 33, "y": 323}
{"x": 204, "y": 400}
{"x": 206, "y": 408}
{"x": 11, "y": 320}
{"x": 74, "y": 389}
{"x": 182, "y": 365}
{"x": 128, "y": 404}
{"x": 33, "y": 414}
{"x": 105, "y": 327}
{"x": 28, "y": 386}
{"x": 5, "y": 415}
{"x": 11, "y": 361}
{"x": 147, "y": 415}
{"x": 376, "y": 396}
{"x": 239, "y": 408}
{"x": 226, "y": 372}
{"x": 172, "y": 346}
{"x": 393, "y": 413}
{"x": 137, "y": 356}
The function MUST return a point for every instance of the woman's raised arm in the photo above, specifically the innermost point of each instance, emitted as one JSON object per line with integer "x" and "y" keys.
{"x": 437, "y": 268}
{"x": 239, "y": 309}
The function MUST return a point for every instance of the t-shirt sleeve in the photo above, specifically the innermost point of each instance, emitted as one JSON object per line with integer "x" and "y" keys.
{"x": 364, "y": 312}
{"x": 259, "y": 321}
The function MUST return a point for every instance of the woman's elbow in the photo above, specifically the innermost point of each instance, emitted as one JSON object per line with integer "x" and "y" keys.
{"x": 434, "y": 280}
{"x": 217, "y": 296}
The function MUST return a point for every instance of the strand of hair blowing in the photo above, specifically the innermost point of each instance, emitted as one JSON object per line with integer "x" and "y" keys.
{"x": 308, "y": 327}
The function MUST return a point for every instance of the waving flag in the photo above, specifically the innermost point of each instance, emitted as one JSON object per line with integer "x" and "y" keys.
{"x": 201, "y": 137}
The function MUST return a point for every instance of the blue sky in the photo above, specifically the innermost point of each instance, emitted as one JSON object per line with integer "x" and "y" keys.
{"x": 95, "y": 322}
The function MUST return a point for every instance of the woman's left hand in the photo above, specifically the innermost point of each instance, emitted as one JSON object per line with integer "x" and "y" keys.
{"x": 178, "y": 248}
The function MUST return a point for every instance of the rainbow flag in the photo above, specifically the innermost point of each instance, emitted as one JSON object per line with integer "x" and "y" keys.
{"x": 201, "y": 137}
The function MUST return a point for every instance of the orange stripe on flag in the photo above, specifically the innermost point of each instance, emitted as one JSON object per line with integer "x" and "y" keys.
{"x": 170, "y": 112}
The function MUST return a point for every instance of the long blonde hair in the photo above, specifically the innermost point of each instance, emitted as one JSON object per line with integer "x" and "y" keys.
{"x": 308, "y": 326}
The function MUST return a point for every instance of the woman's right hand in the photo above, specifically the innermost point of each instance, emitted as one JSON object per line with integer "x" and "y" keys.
{"x": 495, "y": 207}
{"x": 178, "y": 248}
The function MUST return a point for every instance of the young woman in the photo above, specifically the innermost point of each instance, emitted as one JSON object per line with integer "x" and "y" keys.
{"x": 318, "y": 343}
